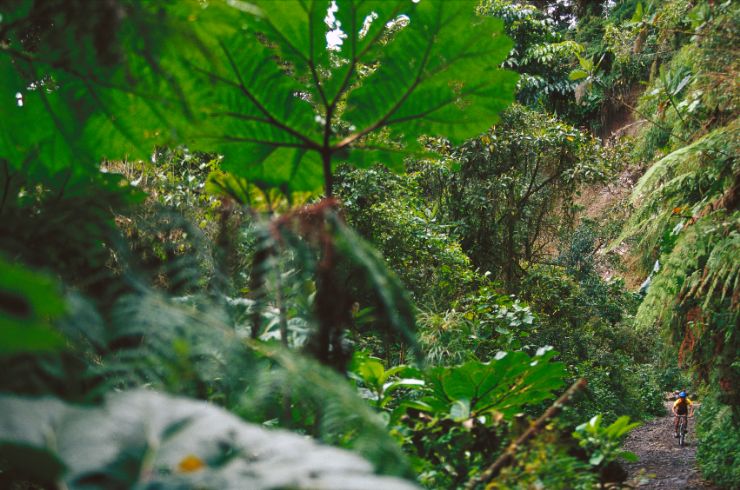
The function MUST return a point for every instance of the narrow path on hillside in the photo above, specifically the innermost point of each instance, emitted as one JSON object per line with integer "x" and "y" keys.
{"x": 671, "y": 466}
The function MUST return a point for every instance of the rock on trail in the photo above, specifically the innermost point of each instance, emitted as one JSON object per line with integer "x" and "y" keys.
{"x": 663, "y": 463}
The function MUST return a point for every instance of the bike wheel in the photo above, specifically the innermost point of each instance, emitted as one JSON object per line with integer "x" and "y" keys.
{"x": 682, "y": 433}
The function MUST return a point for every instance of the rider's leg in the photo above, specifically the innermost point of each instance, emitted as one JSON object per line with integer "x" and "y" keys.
{"x": 675, "y": 425}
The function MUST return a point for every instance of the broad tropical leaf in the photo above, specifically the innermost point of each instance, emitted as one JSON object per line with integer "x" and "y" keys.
{"x": 284, "y": 90}
{"x": 302, "y": 87}
{"x": 504, "y": 385}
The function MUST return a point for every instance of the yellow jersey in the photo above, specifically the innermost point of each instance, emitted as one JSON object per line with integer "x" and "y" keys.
{"x": 682, "y": 408}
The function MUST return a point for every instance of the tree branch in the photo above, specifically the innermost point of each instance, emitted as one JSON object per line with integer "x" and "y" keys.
{"x": 507, "y": 457}
{"x": 6, "y": 183}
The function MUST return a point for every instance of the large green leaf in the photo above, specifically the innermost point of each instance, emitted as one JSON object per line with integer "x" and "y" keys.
{"x": 270, "y": 94}
{"x": 284, "y": 90}
{"x": 438, "y": 75}
{"x": 504, "y": 385}
{"x": 64, "y": 106}
{"x": 28, "y": 302}
{"x": 38, "y": 131}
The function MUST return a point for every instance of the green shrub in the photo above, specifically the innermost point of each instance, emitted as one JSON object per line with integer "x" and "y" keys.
{"x": 465, "y": 413}
{"x": 603, "y": 445}
{"x": 588, "y": 321}
{"x": 546, "y": 463}
{"x": 673, "y": 378}
{"x": 389, "y": 211}
{"x": 719, "y": 444}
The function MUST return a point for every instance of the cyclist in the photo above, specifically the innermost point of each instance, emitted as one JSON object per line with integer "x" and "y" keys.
{"x": 682, "y": 407}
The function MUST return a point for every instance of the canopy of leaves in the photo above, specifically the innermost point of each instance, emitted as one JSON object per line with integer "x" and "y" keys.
{"x": 258, "y": 83}
{"x": 404, "y": 223}
{"x": 541, "y": 52}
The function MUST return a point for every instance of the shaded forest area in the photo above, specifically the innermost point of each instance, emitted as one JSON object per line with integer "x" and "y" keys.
{"x": 365, "y": 243}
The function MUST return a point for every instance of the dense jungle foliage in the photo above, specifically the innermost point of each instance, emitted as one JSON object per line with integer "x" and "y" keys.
{"x": 364, "y": 243}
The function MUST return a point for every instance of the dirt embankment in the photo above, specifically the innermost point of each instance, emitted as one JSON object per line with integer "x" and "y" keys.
{"x": 663, "y": 464}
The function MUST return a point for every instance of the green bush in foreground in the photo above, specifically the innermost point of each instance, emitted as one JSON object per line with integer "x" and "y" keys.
{"x": 719, "y": 448}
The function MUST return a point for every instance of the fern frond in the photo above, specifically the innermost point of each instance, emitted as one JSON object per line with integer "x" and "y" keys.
{"x": 188, "y": 346}
{"x": 702, "y": 268}
{"x": 322, "y": 402}
{"x": 681, "y": 183}
{"x": 722, "y": 269}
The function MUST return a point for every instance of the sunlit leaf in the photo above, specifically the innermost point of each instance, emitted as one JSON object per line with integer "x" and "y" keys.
{"x": 578, "y": 74}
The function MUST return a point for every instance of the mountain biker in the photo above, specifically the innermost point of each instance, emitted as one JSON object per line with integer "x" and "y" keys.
{"x": 682, "y": 406}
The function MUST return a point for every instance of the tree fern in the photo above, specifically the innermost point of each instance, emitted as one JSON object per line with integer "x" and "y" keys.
{"x": 679, "y": 186}
{"x": 701, "y": 268}
{"x": 687, "y": 216}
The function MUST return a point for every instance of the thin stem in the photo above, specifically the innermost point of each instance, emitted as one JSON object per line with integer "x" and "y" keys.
{"x": 678, "y": 113}
{"x": 507, "y": 457}
{"x": 6, "y": 186}
{"x": 326, "y": 153}
{"x": 328, "y": 177}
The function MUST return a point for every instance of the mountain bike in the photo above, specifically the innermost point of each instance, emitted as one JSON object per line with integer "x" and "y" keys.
{"x": 683, "y": 427}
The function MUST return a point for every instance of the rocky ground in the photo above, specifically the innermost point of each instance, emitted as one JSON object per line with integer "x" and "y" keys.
{"x": 663, "y": 464}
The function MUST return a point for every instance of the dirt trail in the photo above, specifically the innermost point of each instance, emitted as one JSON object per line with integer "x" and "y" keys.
{"x": 672, "y": 466}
